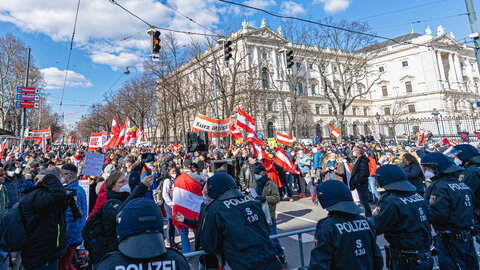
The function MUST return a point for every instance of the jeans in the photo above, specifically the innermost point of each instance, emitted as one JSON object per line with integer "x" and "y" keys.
{"x": 53, "y": 265}
{"x": 185, "y": 240}
{"x": 170, "y": 228}
{"x": 363, "y": 195}
{"x": 278, "y": 247}
{"x": 373, "y": 188}
{"x": 303, "y": 184}
{"x": 4, "y": 260}
{"x": 318, "y": 175}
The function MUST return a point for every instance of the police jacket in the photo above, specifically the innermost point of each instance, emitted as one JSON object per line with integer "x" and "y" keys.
{"x": 450, "y": 204}
{"x": 234, "y": 225}
{"x": 471, "y": 177}
{"x": 415, "y": 176}
{"x": 172, "y": 259}
{"x": 403, "y": 218}
{"x": 345, "y": 241}
{"x": 43, "y": 210}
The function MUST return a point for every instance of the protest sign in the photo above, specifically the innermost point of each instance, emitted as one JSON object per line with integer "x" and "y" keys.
{"x": 93, "y": 164}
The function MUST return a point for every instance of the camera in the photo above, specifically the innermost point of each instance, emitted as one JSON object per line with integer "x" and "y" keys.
{"x": 70, "y": 202}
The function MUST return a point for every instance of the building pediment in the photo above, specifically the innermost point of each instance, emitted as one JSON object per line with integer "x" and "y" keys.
{"x": 446, "y": 39}
{"x": 266, "y": 33}
{"x": 407, "y": 77}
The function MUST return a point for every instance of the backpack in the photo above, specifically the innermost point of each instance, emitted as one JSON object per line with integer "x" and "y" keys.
{"x": 158, "y": 193}
{"x": 14, "y": 232}
{"x": 96, "y": 239}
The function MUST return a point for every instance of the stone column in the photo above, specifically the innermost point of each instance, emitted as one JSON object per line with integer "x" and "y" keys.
{"x": 452, "y": 72}
{"x": 458, "y": 68}
{"x": 440, "y": 66}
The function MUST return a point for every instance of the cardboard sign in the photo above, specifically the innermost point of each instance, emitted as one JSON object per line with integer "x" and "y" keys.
{"x": 85, "y": 184}
{"x": 93, "y": 164}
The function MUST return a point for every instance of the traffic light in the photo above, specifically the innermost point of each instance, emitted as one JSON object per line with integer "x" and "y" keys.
{"x": 156, "y": 42}
{"x": 289, "y": 57}
{"x": 227, "y": 49}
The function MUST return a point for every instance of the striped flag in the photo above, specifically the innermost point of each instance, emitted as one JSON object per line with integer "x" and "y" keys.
{"x": 334, "y": 131}
{"x": 3, "y": 145}
{"x": 444, "y": 142}
{"x": 259, "y": 152}
{"x": 115, "y": 125}
{"x": 245, "y": 121}
{"x": 282, "y": 160}
{"x": 235, "y": 134}
{"x": 187, "y": 197}
{"x": 252, "y": 138}
{"x": 285, "y": 140}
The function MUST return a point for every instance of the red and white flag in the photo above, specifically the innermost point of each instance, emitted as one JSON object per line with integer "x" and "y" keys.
{"x": 115, "y": 126}
{"x": 120, "y": 140}
{"x": 444, "y": 142}
{"x": 282, "y": 160}
{"x": 131, "y": 136}
{"x": 252, "y": 138}
{"x": 285, "y": 140}
{"x": 245, "y": 121}
{"x": 3, "y": 145}
{"x": 235, "y": 134}
{"x": 216, "y": 128}
{"x": 187, "y": 197}
{"x": 259, "y": 152}
{"x": 70, "y": 140}
{"x": 422, "y": 139}
{"x": 334, "y": 131}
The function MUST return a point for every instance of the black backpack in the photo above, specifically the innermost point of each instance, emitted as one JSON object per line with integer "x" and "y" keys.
{"x": 14, "y": 232}
{"x": 96, "y": 238}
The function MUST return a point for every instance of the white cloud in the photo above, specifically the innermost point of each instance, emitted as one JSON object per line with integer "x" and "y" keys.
{"x": 291, "y": 8}
{"x": 55, "y": 78}
{"x": 333, "y": 6}
{"x": 263, "y": 4}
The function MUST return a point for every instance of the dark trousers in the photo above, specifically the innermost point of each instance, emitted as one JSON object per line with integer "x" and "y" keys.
{"x": 403, "y": 264}
{"x": 65, "y": 262}
{"x": 53, "y": 265}
{"x": 463, "y": 253}
{"x": 363, "y": 195}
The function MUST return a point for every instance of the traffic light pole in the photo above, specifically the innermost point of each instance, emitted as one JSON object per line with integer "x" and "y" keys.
{"x": 23, "y": 117}
{"x": 215, "y": 90}
{"x": 472, "y": 17}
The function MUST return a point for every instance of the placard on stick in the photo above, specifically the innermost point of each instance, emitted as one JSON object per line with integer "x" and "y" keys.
{"x": 93, "y": 164}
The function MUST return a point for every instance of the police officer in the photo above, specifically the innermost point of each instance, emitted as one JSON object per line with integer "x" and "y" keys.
{"x": 470, "y": 160}
{"x": 451, "y": 213}
{"x": 234, "y": 226}
{"x": 140, "y": 233}
{"x": 344, "y": 239}
{"x": 401, "y": 215}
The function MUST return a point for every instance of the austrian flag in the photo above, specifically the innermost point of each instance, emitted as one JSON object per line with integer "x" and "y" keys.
{"x": 235, "y": 134}
{"x": 283, "y": 161}
{"x": 285, "y": 140}
{"x": 246, "y": 121}
{"x": 334, "y": 131}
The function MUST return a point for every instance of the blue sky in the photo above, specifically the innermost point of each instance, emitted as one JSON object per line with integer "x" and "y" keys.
{"x": 99, "y": 55}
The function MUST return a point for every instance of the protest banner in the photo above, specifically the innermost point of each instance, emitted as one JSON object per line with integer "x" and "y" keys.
{"x": 216, "y": 128}
{"x": 85, "y": 184}
{"x": 93, "y": 164}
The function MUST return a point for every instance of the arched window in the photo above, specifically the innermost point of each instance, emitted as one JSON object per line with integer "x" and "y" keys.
{"x": 264, "y": 78}
{"x": 270, "y": 130}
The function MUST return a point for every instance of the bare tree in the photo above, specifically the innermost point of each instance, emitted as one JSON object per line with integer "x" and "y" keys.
{"x": 395, "y": 115}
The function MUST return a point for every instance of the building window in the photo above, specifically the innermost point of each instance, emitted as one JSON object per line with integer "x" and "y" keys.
{"x": 313, "y": 89}
{"x": 310, "y": 66}
{"x": 354, "y": 111}
{"x": 384, "y": 91}
{"x": 297, "y": 64}
{"x": 300, "y": 89}
{"x": 317, "y": 109}
{"x": 404, "y": 63}
{"x": 335, "y": 69}
{"x": 270, "y": 106}
{"x": 365, "y": 111}
{"x": 330, "y": 110}
{"x": 408, "y": 87}
{"x": 411, "y": 108}
{"x": 264, "y": 78}
{"x": 381, "y": 69}
{"x": 386, "y": 110}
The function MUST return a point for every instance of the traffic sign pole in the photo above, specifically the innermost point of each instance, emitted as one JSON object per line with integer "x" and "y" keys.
{"x": 24, "y": 110}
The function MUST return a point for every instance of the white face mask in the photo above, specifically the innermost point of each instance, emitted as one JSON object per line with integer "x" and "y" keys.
{"x": 457, "y": 161}
{"x": 429, "y": 174}
{"x": 173, "y": 176}
{"x": 257, "y": 176}
{"x": 10, "y": 173}
{"x": 18, "y": 170}
{"x": 125, "y": 188}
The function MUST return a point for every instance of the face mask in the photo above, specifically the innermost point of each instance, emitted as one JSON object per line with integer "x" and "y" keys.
{"x": 18, "y": 170}
{"x": 429, "y": 174}
{"x": 173, "y": 176}
{"x": 63, "y": 181}
{"x": 257, "y": 176}
{"x": 457, "y": 161}
{"x": 354, "y": 154}
{"x": 125, "y": 188}
{"x": 11, "y": 173}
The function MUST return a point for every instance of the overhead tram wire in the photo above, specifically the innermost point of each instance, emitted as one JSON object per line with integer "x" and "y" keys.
{"x": 69, "y": 55}
{"x": 422, "y": 21}
{"x": 323, "y": 24}
{"x": 402, "y": 9}
{"x": 190, "y": 19}
{"x": 161, "y": 28}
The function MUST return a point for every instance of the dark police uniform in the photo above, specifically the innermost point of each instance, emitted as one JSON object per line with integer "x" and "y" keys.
{"x": 345, "y": 241}
{"x": 451, "y": 205}
{"x": 171, "y": 260}
{"x": 235, "y": 226}
{"x": 403, "y": 217}
{"x": 471, "y": 177}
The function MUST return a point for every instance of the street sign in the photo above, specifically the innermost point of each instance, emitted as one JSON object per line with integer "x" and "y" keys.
{"x": 27, "y": 90}
{"x": 21, "y": 104}
{"x": 24, "y": 97}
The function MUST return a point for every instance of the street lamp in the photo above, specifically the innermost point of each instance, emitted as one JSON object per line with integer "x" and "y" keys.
{"x": 377, "y": 116}
{"x": 126, "y": 71}
{"x": 435, "y": 114}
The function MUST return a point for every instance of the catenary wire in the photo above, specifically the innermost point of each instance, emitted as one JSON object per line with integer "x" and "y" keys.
{"x": 400, "y": 10}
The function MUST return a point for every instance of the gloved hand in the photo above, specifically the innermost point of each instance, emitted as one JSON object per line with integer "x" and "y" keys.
{"x": 262, "y": 199}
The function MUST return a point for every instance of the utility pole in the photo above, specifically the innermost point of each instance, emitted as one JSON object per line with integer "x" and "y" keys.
{"x": 472, "y": 17}
{"x": 215, "y": 90}
{"x": 23, "y": 117}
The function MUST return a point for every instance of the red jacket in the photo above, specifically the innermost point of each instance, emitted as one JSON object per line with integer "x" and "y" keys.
{"x": 372, "y": 165}
{"x": 101, "y": 199}
{"x": 272, "y": 172}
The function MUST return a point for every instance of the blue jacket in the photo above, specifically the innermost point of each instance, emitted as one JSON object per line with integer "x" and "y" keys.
{"x": 74, "y": 228}
{"x": 317, "y": 160}
{"x": 13, "y": 185}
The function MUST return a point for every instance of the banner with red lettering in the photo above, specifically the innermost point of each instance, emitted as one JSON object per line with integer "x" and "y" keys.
{"x": 216, "y": 128}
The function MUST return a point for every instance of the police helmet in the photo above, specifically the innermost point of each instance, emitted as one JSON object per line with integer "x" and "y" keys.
{"x": 140, "y": 230}
{"x": 219, "y": 183}
{"x": 467, "y": 152}
{"x": 440, "y": 163}
{"x": 392, "y": 177}
{"x": 334, "y": 195}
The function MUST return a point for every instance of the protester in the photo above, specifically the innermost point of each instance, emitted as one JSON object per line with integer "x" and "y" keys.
{"x": 167, "y": 196}
{"x": 359, "y": 180}
{"x": 13, "y": 181}
{"x": 4, "y": 202}
{"x": 303, "y": 162}
{"x": 247, "y": 179}
{"x": 414, "y": 173}
{"x": 331, "y": 169}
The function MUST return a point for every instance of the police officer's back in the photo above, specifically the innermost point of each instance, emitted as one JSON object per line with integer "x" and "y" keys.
{"x": 470, "y": 158}
{"x": 402, "y": 216}
{"x": 344, "y": 239}
{"x": 140, "y": 233}
{"x": 234, "y": 226}
{"x": 451, "y": 213}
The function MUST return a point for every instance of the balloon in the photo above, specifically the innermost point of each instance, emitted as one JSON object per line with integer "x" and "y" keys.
{"x": 260, "y": 136}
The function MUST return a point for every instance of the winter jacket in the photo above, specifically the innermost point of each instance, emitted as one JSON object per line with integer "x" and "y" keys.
{"x": 415, "y": 176}
{"x": 268, "y": 191}
{"x": 4, "y": 203}
{"x": 338, "y": 173}
{"x": 372, "y": 165}
{"x": 13, "y": 185}
{"x": 317, "y": 160}
{"x": 101, "y": 199}
{"x": 133, "y": 176}
{"x": 44, "y": 215}
{"x": 74, "y": 228}
{"x": 360, "y": 172}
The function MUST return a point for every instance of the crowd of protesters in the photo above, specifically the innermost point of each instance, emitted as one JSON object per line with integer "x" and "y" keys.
{"x": 151, "y": 172}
